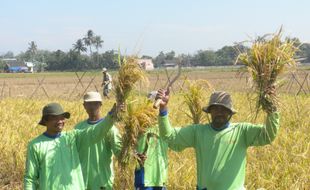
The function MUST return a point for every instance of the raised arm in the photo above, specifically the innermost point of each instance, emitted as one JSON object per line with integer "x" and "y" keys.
{"x": 177, "y": 138}
{"x": 101, "y": 129}
{"x": 258, "y": 135}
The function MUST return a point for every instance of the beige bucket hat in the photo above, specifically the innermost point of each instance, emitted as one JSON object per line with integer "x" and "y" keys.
{"x": 92, "y": 97}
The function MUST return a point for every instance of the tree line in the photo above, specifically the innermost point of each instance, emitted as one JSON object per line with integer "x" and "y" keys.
{"x": 85, "y": 55}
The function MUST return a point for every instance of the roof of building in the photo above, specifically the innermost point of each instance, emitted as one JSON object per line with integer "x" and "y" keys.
{"x": 14, "y": 63}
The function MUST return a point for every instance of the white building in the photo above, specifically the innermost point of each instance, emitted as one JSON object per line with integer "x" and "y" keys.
{"x": 30, "y": 66}
{"x": 146, "y": 64}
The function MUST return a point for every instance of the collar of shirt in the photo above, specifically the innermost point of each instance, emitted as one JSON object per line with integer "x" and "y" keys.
{"x": 94, "y": 122}
{"x": 221, "y": 128}
{"x": 52, "y": 136}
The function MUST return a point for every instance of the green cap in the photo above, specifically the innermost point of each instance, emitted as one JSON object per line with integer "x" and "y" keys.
{"x": 53, "y": 109}
{"x": 220, "y": 98}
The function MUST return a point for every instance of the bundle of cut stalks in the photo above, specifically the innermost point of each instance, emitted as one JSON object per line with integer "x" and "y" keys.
{"x": 194, "y": 97}
{"x": 128, "y": 75}
{"x": 139, "y": 117}
{"x": 267, "y": 58}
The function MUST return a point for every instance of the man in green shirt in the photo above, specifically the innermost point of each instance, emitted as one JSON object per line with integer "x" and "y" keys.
{"x": 220, "y": 146}
{"x": 97, "y": 159}
{"x": 152, "y": 152}
{"x": 52, "y": 161}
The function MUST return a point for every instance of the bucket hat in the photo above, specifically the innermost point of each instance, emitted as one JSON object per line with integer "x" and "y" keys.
{"x": 53, "y": 109}
{"x": 220, "y": 98}
{"x": 92, "y": 97}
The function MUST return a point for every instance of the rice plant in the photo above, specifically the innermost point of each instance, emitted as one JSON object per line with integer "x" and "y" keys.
{"x": 267, "y": 58}
{"x": 284, "y": 165}
{"x": 129, "y": 74}
{"x": 140, "y": 116}
{"x": 195, "y": 95}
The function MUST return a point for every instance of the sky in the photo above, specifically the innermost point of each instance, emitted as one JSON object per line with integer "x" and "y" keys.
{"x": 148, "y": 27}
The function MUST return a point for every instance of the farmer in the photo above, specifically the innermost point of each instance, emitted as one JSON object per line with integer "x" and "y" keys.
{"x": 97, "y": 159}
{"x": 220, "y": 146}
{"x": 52, "y": 158}
{"x": 106, "y": 83}
{"x": 152, "y": 155}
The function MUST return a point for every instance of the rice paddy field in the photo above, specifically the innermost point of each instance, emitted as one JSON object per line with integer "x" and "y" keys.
{"x": 283, "y": 165}
{"x": 70, "y": 85}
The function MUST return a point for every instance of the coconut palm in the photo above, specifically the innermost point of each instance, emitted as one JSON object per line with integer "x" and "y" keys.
{"x": 98, "y": 42}
{"x": 32, "y": 49}
{"x": 89, "y": 40}
{"x": 79, "y": 46}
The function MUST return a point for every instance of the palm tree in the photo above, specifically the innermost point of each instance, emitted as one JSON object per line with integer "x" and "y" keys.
{"x": 89, "y": 40}
{"x": 32, "y": 49}
{"x": 98, "y": 42}
{"x": 79, "y": 46}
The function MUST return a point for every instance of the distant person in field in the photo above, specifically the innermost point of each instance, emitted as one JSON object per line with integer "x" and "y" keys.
{"x": 97, "y": 159}
{"x": 53, "y": 157}
{"x": 106, "y": 83}
{"x": 151, "y": 172}
{"x": 220, "y": 146}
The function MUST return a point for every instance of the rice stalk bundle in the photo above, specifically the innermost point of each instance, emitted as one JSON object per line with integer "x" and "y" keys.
{"x": 139, "y": 117}
{"x": 265, "y": 61}
{"x": 128, "y": 75}
{"x": 194, "y": 98}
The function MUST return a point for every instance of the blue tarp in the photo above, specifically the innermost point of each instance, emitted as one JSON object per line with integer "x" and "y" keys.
{"x": 18, "y": 69}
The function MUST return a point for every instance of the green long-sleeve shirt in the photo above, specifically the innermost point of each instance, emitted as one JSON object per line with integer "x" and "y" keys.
{"x": 220, "y": 155}
{"x": 96, "y": 159}
{"x": 54, "y": 164}
{"x": 156, "y": 164}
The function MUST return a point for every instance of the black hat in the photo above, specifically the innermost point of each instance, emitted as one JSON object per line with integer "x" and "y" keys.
{"x": 53, "y": 109}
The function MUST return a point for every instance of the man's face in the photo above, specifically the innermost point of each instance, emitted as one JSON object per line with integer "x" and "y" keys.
{"x": 219, "y": 115}
{"x": 55, "y": 124}
{"x": 92, "y": 108}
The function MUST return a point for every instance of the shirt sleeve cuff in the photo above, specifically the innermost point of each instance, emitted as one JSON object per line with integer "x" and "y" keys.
{"x": 163, "y": 112}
